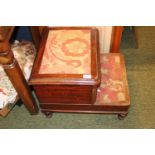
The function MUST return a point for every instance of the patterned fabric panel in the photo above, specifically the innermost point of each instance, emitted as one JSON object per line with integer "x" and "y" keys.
{"x": 24, "y": 52}
{"x": 67, "y": 52}
{"x": 113, "y": 85}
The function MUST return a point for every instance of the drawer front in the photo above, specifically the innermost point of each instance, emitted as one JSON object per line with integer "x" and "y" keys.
{"x": 67, "y": 94}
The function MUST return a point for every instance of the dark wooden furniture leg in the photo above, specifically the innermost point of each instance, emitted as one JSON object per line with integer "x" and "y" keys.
{"x": 135, "y": 32}
{"x": 116, "y": 39}
{"x": 16, "y": 76}
{"x": 35, "y": 35}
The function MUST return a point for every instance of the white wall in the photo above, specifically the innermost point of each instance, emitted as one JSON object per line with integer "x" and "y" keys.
{"x": 105, "y": 33}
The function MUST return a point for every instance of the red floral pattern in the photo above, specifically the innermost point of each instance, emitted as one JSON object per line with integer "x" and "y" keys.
{"x": 67, "y": 52}
{"x": 113, "y": 85}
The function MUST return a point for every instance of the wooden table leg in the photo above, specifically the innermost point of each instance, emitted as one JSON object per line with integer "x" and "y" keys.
{"x": 35, "y": 35}
{"x": 116, "y": 39}
{"x": 16, "y": 76}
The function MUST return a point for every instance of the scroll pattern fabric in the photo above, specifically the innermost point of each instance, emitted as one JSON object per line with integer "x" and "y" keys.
{"x": 67, "y": 52}
{"x": 113, "y": 87}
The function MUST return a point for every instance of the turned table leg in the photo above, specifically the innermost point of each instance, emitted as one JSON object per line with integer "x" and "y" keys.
{"x": 116, "y": 39}
{"x": 16, "y": 76}
{"x": 35, "y": 35}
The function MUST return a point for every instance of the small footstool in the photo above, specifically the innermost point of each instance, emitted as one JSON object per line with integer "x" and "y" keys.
{"x": 66, "y": 75}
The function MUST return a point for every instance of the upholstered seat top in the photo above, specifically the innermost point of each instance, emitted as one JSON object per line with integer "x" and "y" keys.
{"x": 114, "y": 86}
{"x": 67, "y": 52}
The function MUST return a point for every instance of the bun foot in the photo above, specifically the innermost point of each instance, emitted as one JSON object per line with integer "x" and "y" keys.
{"x": 122, "y": 116}
{"x": 48, "y": 114}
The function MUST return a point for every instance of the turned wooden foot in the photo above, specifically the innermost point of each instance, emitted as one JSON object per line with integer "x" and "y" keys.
{"x": 48, "y": 114}
{"x": 122, "y": 116}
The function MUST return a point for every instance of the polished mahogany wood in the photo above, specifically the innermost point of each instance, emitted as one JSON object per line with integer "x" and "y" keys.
{"x": 56, "y": 94}
{"x": 120, "y": 108}
{"x": 67, "y": 88}
{"x": 116, "y": 39}
{"x": 35, "y": 35}
{"x": 41, "y": 29}
{"x": 6, "y": 32}
{"x": 116, "y": 109}
{"x": 66, "y": 94}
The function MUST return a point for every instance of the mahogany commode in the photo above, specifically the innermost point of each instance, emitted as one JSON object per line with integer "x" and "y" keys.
{"x": 67, "y": 69}
{"x": 67, "y": 72}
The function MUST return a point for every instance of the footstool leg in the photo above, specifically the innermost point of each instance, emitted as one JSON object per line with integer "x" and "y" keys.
{"x": 122, "y": 116}
{"x": 48, "y": 114}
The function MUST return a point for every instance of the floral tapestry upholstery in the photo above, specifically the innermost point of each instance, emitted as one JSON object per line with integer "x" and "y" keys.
{"x": 114, "y": 86}
{"x": 24, "y": 53}
{"x": 68, "y": 48}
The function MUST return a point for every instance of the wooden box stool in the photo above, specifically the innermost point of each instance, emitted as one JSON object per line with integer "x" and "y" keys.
{"x": 67, "y": 74}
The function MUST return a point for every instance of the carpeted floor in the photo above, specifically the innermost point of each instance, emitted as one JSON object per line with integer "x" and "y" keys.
{"x": 140, "y": 65}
